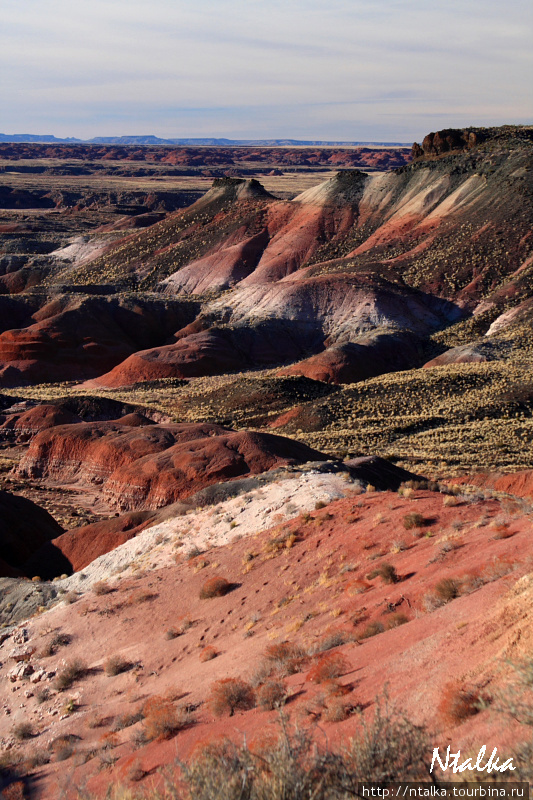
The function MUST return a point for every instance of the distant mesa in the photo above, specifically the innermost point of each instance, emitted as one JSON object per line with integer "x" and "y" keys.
{"x": 195, "y": 142}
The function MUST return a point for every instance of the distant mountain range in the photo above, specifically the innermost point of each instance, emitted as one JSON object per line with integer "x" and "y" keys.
{"x": 155, "y": 140}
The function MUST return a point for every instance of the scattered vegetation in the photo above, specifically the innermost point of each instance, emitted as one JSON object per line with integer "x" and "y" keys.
{"x": 22, "y": 731}
{"x": 208, "y": 654}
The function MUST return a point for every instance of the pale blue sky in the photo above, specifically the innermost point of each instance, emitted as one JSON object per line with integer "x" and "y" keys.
{"x": 342, "y": 69}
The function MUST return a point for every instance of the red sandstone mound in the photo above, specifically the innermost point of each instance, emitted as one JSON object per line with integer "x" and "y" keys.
{"x": 355, "y": 361}
{"x": 75, "y": 549}
{"x": 25, "y": 425}
{"x": 150, "y": 466}
{"x": 24, "y": 528}
{"x": 80, "y": 337}
{"x": 204, "y": 353}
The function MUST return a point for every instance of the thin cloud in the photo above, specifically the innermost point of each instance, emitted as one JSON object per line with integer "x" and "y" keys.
{"x": 259, "y": 69}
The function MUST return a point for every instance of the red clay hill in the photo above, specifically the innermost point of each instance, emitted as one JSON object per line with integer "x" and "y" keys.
{"x": 139, "y": 465}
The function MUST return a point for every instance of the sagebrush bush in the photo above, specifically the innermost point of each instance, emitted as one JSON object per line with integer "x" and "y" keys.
{"x": 101, "y": 587}
{"x": 331, "y": 640}
{"x": 115, "y": 665}
{"x": 271, "y": 694}
{"x": 72, "y": 672}
{"x": 161, "y": 719}
{"x": 372, "y": 629}
{"x": 22, "y": 731}
{"x": 214, "y": 587}
{"x": 332, "y": 665}
{"x": 208, "y": 654}
{"x": 229, "y": 695}
{"x": 396, "y": 619}
{"x": 448, "y": 589}
{"x": 285, "y": 658}
{"x": 387, "y": 572}
{"x": 413, "y": 520}
{"x": 457, "y": 704}
{"x": 53, "y": 645}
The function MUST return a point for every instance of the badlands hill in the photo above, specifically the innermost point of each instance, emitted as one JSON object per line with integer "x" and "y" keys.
{"x": 281, "y": 441}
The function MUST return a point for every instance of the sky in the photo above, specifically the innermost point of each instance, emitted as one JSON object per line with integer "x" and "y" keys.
{"x": 353, "y": 70}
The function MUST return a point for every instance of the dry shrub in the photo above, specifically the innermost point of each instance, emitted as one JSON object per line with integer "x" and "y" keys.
{"x": 445, "y": 590}
{"x": 229, "y": 695}
{"x": 115, "y": 665}
{"x": 140, "y": 596}
{"x": 501, "y": 530}
{"x": 22, "y": 731}
{"x": 450, "y": 500}
{"x": 271, "y": 694}
{"x": 101, "y": 587}
{"x": 336, "y": 710}
{"x": 208, "y": 654}
{"x": 457, "y": 704}
{"x": 127, "y": 720}
{"x": 57, "y": 641}
{"x": 161, "y": 720}
{"x": 214, "y": 587}
{"x": 37, "y": 758}
{"x": 63, "y": 746}
{"x": 65, "y": 752}
{"x": 448, "y": 589}
{"x": 498, "y": 568}
{"x": 285, "y": 658}
{"x": 109, "y": 740}
{"x": 396, "y": 619}
{"x": 372, "y": 629}
{"x": 135, "y": 771}
{"x": 332, "y": 665}
{"x": 71, "y": 673}
{"x": 388, "y": 747}
{"x": 414, "y": 520}
{"x": 386, "y": 572}
{"x": 182, "y": 626}
{"x": 280, "y": 542}
{"x": 330, "y": 640}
